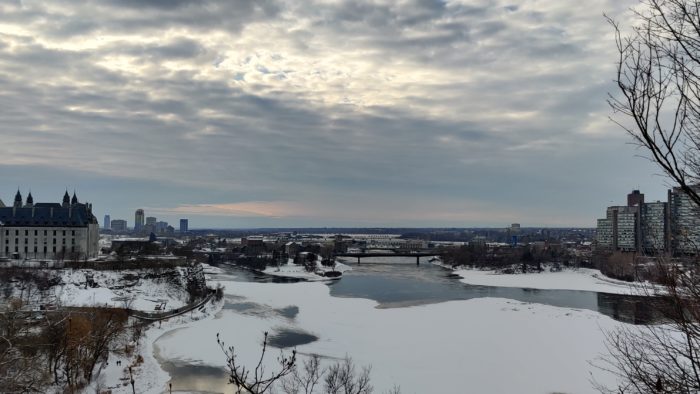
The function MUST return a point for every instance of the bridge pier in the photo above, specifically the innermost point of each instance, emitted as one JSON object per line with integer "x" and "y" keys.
{"x": 358, "y": 260}
{"x": 417, "y": 260}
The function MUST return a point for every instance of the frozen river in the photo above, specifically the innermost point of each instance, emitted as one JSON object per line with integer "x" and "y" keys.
{"x": 413, "y": 324}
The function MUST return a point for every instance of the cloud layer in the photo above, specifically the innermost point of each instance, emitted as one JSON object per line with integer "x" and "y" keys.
{"x": 421, "y": 112}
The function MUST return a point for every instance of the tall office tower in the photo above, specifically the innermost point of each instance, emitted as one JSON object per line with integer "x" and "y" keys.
{"x": 138, "y": 220}
{"x": 184, "y": 225}
{"x": 151, "y": 221}
{"x": 107, "y": 222}
{"x": 635, "y": 198}
{"x": 684, "y": 218}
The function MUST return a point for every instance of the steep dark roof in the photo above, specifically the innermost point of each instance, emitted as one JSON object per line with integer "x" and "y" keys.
{"x": 40, "y": 216}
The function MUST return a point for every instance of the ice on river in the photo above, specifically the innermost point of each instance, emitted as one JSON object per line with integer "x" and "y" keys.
{"x": 483, "y": 345}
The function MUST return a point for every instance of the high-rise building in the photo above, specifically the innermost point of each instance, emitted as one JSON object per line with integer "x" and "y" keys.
{"x": 184, "y": 225}
{"x": 604, "y": 233}
{"x": 635, "y": 198}
{"x": 107, "y": 223}
{"x": 638, "y": 226}
{"x": 161, "y": 227}
{"x": 684, "y": 218}
{"x": 118, "y": 225}
{"x": 138, "y": 220}
{"x": 619, "y": 229}
{"x": 654, "y": 226}
{"x": 151, "y": 221}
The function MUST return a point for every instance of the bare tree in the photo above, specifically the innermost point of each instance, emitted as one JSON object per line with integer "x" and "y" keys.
{"x": 311, "y": 377}
{"x": 660, "y": 358}
{"x": 259, "y": 382}
{"x": 658, "y": 76}
{"x": 304, "y": 381}
{"x": 342, "y": 378}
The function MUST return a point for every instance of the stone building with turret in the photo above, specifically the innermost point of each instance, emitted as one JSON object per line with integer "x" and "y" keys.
{"x": 54, "y": 231}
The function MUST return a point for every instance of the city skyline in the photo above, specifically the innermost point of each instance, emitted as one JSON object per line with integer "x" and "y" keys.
{"x": 274, "y": 114}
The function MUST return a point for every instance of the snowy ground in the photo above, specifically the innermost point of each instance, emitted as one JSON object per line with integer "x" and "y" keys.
{"x": 291, "y": 270}
{"x": 114, "y": 288}
{"x": 484, "y": 345}
{"x": 568, "y": 279}
{"x": 149, "y": 377}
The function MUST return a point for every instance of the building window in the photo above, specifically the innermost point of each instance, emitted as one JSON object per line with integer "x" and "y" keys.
{"x": 7, "y": 250}
{"x": 26, "y": 241}
{"x": 44, "y": 249}
{"x": 54, "y": 233}
{"x": 16, "y": 233}
{"x": 46, "y": 233}
{"x": 72, "y": 241}
{"x": 26, "y": 233}
{"x": 73, "y": 233}
{"x": 54, "y": 249}
{"x": 35, "y": 249}
{"x": 36, "y": 233}
{"x": 16, "y": 241}
{"x": 26, "y": 249}
{"x": 64, "y": 233}
{"x": 63, "y": 241}
{"x": 54, "y": 241}
{"x": 16, "y": 249}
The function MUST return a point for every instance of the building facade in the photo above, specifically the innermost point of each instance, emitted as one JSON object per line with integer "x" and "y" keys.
{"x": 184, "y": 225}
{"x": 107, "y": 223}
{"x": 684, "y": 218}
{"x": 654, "y": 217}
{"x": 48, "y": 230}
{"x": 139, "y": 217}
{"x": 119, "y": 226}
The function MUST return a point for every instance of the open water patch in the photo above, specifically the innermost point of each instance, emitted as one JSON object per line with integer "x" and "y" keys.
{"x": 286, "y": 338}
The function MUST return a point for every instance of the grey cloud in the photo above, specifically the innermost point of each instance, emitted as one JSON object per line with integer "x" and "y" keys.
{"x": 493, "y": 80}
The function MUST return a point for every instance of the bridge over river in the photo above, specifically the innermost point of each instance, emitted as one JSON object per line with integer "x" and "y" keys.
{"x": 391, "y": 253}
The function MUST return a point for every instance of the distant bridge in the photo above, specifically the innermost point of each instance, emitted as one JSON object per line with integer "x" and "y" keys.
{"x": 416, "y": 254}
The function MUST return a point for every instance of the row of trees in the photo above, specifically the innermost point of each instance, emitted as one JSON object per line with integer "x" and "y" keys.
{"x": 526, "y": 258}
{"x": 62, "y": 349}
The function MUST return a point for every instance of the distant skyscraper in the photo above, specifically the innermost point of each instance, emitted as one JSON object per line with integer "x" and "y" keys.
{"x": 107, "y": 223}
{"x": 161, "y": 227}
{"x": 151, "y": 221}
{"x": 118, "y": 225}
{"x": 138, "y": 220}
{"x": 184, "y": 225}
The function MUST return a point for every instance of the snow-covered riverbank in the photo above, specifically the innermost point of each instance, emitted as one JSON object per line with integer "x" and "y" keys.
{"x": 149, "y": 376}
{"x": 291, "y": 270}
{"x": 484, "y": 345}
{"x": 585, "y": 279}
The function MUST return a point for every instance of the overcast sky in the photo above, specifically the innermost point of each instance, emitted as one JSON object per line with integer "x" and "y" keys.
{"x": 262, "y": 113}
